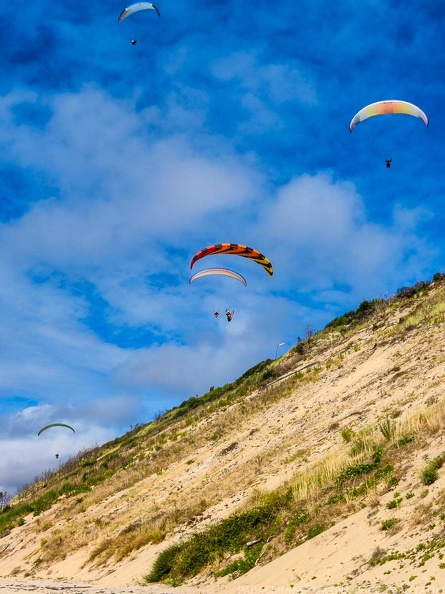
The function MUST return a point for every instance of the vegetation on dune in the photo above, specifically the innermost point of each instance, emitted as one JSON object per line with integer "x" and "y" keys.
{"x": 430, "y": 473}
{"x": 285, "y": 518}
{"x": 367, "y": 309}
{"x": 368, "y": 463}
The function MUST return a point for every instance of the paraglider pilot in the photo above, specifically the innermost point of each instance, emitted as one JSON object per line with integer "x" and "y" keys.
{"x": 229, "y": 315}
{"x": 216, "y": 314}
{"x": 388, "y": 162}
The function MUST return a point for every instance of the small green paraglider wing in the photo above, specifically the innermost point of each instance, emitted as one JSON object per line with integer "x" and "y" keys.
{"x": 136, "y": 8}
{"x": 237, "y": 249}
{"x": 222, "y": 271}
{"x": 55, "y": 425}
{"x": 388, "y": 107}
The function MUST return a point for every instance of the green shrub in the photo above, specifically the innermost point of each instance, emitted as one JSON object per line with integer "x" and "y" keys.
{"x": 301, "y": 517}
{"x": 438, "y": 276}
{"x": 384, "y": 471}
{"x": 388, "y": 524}
{"x": 44, "y": 502}
{"x": 347, "y": 434}
{"x": 299, "y": 348}
{"x": 430, "y": 473}
{"x": 269, "y": 374}
{"x": 228, "y": 536}
{"x": 315, "y": 530}
{"x": 11, "y": 515}
{"x": 405, "y": 440}
{"x": 163, "y": 564}
{"x": 352, "y": 472}
{"x": 394, "y": 503}
{"x": 243, "y": 565}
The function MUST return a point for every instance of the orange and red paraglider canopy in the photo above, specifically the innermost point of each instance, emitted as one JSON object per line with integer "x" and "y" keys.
{"x": 237, "y": 249}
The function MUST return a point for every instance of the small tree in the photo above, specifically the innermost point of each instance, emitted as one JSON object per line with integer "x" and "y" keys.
{"x": 309, "y": 332}
{"x": 4, "y": 498}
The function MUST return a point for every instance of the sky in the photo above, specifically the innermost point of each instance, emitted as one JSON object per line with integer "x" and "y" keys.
{"x": 226, "y": 122}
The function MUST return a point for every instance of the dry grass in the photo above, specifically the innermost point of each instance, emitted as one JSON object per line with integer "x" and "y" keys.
{"x": 429, "y": 421}
{"x": 421, "y": 515}
{"x": 373, "y": 499}
{"x": 129, "y": 541}
{"x": 307, "y": 485}
{"x": 63, "y": 541}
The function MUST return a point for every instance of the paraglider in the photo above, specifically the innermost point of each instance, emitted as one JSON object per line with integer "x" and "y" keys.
{"x": 389, "y": 106}
{"x": 55, "y": 425}
{"x": 237, "y": 249}
{"x": 229, "y": 314}
{"x": 221, "y": 271}
{"x": 136, "y": 8}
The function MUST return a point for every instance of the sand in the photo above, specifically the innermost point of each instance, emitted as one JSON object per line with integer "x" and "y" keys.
{"x": 361, "y": 381}
{"x": 45, "y": 586}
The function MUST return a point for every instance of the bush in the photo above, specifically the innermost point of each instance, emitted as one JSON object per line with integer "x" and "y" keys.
{"x": 163, "y": 564}
{"x": 270, "y": 374}
{"x": 228, "y": 536}
{"x": 438, "y": 276}
{"x": 408, "y": 292}
{"x": 406, "y": 439}
{"x": 352, "y": 318}
{"x": 299, "y": 348}
{"x": 44, "y": 502}
{"x": 388, "y": 524}
{"x": 352, "y": 472}
{"x": 430, "y": 473}
{"x": 240, "y": 566}
{"x": 315, "y": 531}
{"x": 347, "y": 434}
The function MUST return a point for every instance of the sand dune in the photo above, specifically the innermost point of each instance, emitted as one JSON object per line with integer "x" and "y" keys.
{"x": 361, "y": 379}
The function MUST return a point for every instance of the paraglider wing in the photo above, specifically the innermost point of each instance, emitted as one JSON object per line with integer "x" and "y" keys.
{"x": 135, "y": 8}
{"x": 388, "y": 107}
{"x": 237, "y": 249}
{"x": 55, "y": 425}
{"x": 223, "y": 271}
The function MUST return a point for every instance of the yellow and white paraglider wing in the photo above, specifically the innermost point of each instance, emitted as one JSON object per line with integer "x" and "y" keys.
{"x": 136, "y": 8}
{"x": 55, "y": 425}
{"x": 221, "y": 271}
{"x": 389, "y": 106}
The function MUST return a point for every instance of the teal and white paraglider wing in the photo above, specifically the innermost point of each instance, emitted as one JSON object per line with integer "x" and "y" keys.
{"x": 136, "y": 8}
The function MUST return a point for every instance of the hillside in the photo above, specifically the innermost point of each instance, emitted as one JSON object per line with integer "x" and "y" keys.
{"x": 322, "y": 468}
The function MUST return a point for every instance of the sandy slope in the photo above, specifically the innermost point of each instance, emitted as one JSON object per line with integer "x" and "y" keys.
{"x": 361, "y": 380}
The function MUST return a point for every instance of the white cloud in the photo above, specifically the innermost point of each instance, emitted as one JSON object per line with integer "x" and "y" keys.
{"x": 325, "y": 238}
{"x": 277, "y": 82}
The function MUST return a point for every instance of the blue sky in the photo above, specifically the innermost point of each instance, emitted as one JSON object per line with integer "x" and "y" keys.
{"x": 226, "y": 122}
